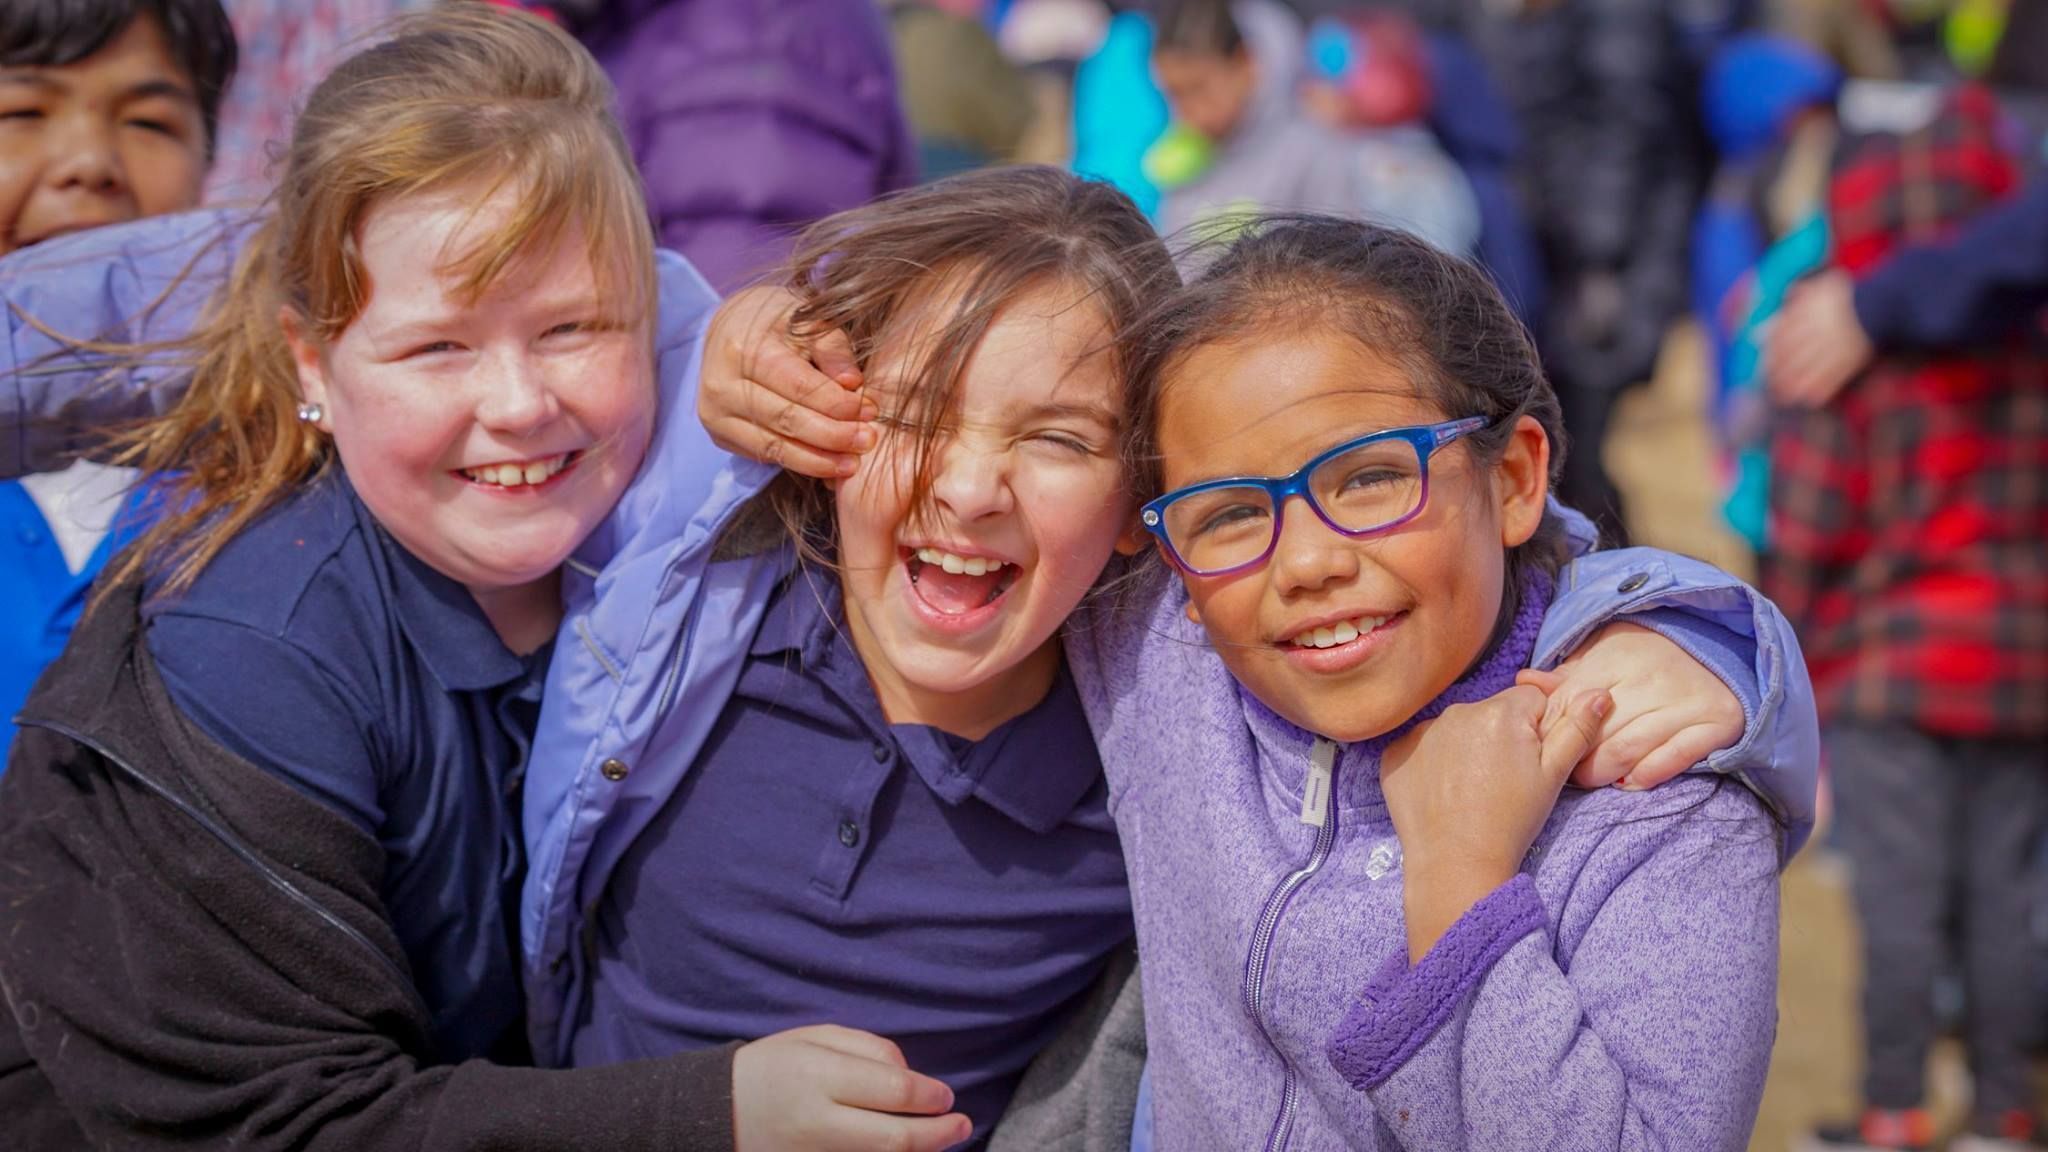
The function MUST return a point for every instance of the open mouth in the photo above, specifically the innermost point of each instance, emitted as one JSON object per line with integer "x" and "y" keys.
{"x": 523, "y": 475}
{"x": 956, "y": 585}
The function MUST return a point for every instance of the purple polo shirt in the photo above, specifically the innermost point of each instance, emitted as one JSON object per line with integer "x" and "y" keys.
{"x": 821, "y": 865}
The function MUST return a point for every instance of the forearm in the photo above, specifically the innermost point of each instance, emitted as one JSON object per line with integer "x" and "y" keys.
{"x": 1978, "y": 286}
{"x": 86, "y": 322}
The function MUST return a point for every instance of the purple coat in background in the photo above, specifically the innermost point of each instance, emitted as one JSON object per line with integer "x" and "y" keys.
{"x": 752, "y": 118}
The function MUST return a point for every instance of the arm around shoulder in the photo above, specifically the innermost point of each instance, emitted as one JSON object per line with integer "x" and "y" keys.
{"x": 137, "y": 284}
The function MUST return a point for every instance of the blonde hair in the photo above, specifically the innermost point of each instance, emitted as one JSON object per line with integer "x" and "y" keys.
{"x": 465, "y": 96}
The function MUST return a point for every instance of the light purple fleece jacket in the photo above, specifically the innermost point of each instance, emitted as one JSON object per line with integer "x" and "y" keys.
{"x": 1619, "y": 994}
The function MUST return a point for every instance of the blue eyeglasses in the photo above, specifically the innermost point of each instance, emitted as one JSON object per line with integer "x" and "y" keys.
{"x": 1362, "y": 487}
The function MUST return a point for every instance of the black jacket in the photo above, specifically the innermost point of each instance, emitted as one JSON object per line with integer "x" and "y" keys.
{"x": 193, "y": 954}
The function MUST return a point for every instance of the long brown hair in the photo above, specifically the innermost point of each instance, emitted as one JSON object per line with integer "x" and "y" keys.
{"x": 982, "y": 241}
{"x": 466, "y": 96}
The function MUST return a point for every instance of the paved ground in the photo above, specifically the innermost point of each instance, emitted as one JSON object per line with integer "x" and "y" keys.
{"x": 1662, "y": 456}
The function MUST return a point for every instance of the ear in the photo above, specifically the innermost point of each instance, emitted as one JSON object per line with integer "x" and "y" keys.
{"x": 306, "y": 359}
{"x": 1134, "y": 538}
{"x": 1521, "y": 481}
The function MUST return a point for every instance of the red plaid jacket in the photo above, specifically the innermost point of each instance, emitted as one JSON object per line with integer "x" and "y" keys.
{"x": 1910, "y": 516}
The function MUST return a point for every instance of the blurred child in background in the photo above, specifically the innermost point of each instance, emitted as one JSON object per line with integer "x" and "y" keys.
{"x": 108, "y": 110}
{"x": 1243, "y": 141}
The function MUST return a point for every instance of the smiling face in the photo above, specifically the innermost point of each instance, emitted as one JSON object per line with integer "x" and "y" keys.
{"x": 954, "y": 612}
{"x": 1402, "y": 615}
{"x": 488, "y": 436}
{"x": 1207, "y": 92}
{"x": 114, "y": 137}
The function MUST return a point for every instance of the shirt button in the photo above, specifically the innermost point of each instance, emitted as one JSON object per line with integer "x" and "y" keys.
{"x": 28, "y": 535}
{"x": 613, "y": 769}
{"x": 849, "y": 833}
{"x": 1633, "y": 582}
{"x": 881, "y": 754}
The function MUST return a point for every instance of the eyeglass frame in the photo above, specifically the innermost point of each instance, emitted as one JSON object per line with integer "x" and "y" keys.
{"x": 1426, "y": 439}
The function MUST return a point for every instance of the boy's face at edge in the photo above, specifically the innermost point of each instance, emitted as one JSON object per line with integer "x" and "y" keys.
{"x": 111, "y": 138}
{"x": 1207, "y": 92}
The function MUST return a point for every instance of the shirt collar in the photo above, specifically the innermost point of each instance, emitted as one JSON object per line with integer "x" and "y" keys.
{"x": 1035, "y": 768}
{"x": 439, "y": 616}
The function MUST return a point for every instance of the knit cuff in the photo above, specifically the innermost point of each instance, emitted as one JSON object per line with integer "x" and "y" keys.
{"x": 1402, "y": 1007}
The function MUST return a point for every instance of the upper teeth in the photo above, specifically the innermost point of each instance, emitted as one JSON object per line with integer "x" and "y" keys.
{"x": 513, "y": 475}
{"x": 1342, "y": 632}
{"x": 971, "y": 565}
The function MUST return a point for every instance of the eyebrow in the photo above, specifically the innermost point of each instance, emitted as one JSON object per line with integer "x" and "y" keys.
{"x": 169, "y": 89}
{"x": 148, "y": 89}
{"x": 1091, "y": 412}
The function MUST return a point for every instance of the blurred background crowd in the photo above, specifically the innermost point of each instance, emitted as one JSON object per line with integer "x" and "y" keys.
{"x": 1785, "y": 260}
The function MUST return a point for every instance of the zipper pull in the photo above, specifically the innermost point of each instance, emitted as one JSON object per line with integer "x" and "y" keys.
{"x": 1315, "y": 793}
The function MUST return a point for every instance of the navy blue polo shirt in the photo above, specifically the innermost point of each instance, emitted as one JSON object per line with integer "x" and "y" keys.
{"x": 320, "y": 650}
{"x": 821, "y": 865}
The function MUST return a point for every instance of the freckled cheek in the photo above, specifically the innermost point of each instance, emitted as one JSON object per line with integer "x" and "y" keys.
{"x": 411, "y": 428}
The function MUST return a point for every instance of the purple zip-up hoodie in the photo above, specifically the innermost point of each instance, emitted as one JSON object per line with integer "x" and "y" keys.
{"x": 1619, "y": 994}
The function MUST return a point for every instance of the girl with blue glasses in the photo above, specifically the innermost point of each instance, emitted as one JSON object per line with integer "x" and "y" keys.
{"x": 1369, "y": 917}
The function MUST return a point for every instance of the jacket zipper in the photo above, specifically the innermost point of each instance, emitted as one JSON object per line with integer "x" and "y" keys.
{"x": 248, "y": 855}
{"x": 1317, "y": 809}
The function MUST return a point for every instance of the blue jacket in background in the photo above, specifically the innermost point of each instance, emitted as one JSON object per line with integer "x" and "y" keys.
{"x": 658, "y": 617}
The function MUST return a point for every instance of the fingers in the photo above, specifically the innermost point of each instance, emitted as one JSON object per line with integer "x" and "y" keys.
{"x": 1566, "y": 742}
{"x": 853, "y": 1042}
{"x": 869, "y": 1131}
{"x": 833, "y": 354}
{"x": 1675, "y": 756}
{"x": 786, "y": 373}
{"x": 756, "y": 443}
{"x": 792, "y": 420}
{"x": 858, "y": 1082}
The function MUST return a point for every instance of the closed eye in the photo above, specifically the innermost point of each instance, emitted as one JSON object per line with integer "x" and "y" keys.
{"x": 1069, "y": 442}
{"x": 160, "y": 127}
{"x": 23, "y": 114}
{"x": 433, "y": 348}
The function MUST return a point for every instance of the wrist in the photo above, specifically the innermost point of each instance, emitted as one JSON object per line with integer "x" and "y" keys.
{"x": 1436, "y": 895}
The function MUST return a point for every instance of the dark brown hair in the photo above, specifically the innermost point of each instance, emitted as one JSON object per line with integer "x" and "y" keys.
{"x": 979, "y": 241}
{"x": 1438, "y": 318}
{"x": 1198, "y": 28}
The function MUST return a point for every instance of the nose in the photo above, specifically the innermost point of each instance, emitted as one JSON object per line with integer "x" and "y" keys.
{"x": 85, "y": 158}
{"x": 971, "y": 482}
{"x": 514, "y": 396}
{"x": 1310, "y": 555}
